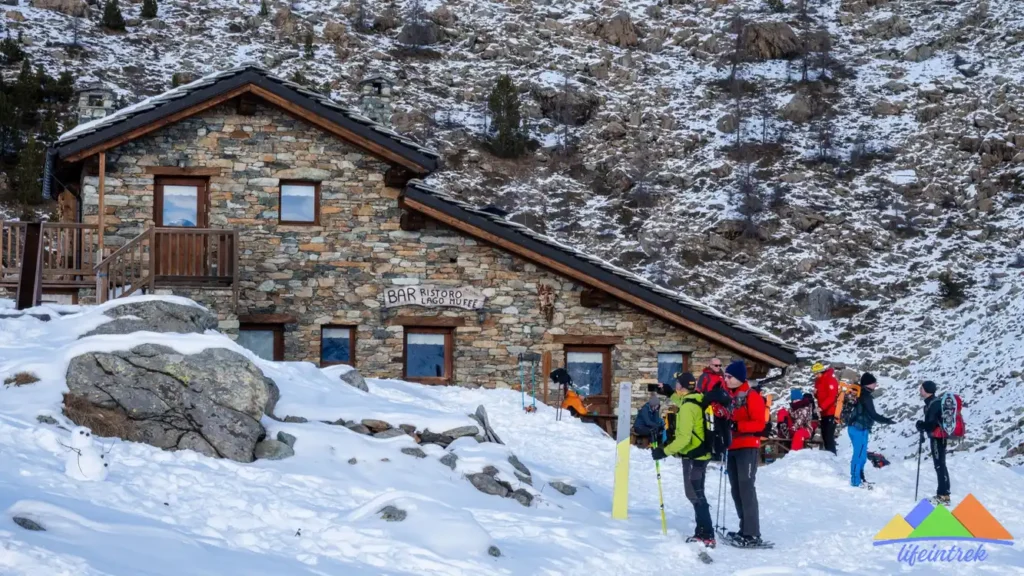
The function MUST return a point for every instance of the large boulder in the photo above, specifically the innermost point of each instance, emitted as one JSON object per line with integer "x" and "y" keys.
{"x": 156, "y": 316}
{"x": 354, "y": 379}
{"x": 770, "y": 41}
{"x": 798, "y": 109}
{"x": 70, "y": 7}
{"x": 619, "y": 31}
{"x": 570, "y": 104}
{"x": 209, "y": 402}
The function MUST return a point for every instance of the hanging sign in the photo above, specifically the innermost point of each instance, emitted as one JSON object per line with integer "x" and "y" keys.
{"x": 465, "y": 297}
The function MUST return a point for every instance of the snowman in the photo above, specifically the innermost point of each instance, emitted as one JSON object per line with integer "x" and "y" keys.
{"x": 84, "y": 461}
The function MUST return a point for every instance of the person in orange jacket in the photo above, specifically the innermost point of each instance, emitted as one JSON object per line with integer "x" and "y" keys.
{"x": 826, "y": 393}
{"x": 747, "y": 420}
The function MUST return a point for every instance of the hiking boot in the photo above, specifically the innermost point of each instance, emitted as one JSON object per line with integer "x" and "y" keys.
{"x": 944, "y": 500}
{"x": 749, "y": 541}
{"x": 708, "y": 542}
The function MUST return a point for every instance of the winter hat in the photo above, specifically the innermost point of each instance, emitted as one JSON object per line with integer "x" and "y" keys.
{"x": 795, "y": 394}
{"x": 737, "y": 370}
{"x": 560, "y": 376}
{"x": 655, "y": 402}
{"x": 930, "y": 387}
{"x": 686, "y": 380}
{"x": 867, "y": 379}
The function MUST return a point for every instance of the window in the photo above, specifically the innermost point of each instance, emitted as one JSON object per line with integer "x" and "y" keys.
{"x": 337, "y": 345}
{"x": 670, "y": 364}
{"x": 180, "y": 202}
{"x": 300, "y": 202}
{"x": 428, "y": 355}
{"x": 264, "y": 340}
{"x": 590, "y": 369}
{"x": 95, "y": 100}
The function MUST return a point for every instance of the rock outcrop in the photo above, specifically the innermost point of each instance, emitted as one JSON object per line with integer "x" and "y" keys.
{"x": 156, "y": 316}
{"x": 619, "y": 31}
{"x": 209, "y": 402}
{"x": 770, "y": 41}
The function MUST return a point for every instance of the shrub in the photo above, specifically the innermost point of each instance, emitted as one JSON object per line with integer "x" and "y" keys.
{"x": 952, "y": 289}
{"x": 264, "y": 8}
{"x": 21, "y": 379}
{"x": 149, "y": 8}
{"x": 112, "y": 18}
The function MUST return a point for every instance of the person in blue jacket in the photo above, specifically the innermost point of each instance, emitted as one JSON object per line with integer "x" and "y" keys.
{"x": 649, "y": 423}
{"x": 864, "y": 417}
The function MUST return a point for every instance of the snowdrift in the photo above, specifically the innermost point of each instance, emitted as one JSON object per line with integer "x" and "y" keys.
{"x": 169, "y": 513}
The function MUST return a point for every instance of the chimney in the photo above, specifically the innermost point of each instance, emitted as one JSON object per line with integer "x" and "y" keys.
{"x": 94, "y": 102}
{"x": 375, "y": 95}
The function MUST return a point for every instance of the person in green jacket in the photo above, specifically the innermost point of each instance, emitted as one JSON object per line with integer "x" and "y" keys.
{"x": 689, "y": 427}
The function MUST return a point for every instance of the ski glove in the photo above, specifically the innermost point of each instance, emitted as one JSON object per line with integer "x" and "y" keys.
{"x": 920, "y": 426}
{"x": 734, "y": 426}
{"x": 658, "y": 454}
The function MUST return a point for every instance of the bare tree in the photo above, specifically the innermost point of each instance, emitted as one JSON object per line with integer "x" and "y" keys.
{"x": 751, "y": 201}
{"x": 805, "y": 52}
{"x": 361, "y": 18}
{"x": 824, "y": 135}
{"x": 739, "y": 27}
{"x": 824, "y": 52}
{"x": 766, "y": 110}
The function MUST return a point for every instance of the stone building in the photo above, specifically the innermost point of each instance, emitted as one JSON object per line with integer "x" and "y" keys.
{"x": 375, "y": 94}
{"x": 304, "y": 225}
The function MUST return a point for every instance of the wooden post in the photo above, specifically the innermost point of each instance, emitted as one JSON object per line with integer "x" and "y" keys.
{"x": 102, "y": 209}
{"x": 545, "y": 371}
{"x": 30, "y": 288}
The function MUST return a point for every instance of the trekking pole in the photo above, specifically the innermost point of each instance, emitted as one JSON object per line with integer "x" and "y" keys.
{"x": 721, "y": 495}
{"x": 917, "y": 483}
{"x": 533, "y": 384}
{"x": 661, "y": 497}
{"x": 522, "y": 384}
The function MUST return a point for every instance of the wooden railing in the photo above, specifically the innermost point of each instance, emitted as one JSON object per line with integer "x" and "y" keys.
{"x": 170, "y": 257}
{"x": 69, "y": 253}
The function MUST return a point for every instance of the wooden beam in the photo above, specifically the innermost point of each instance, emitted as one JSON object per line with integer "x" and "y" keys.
{"x": 545, "y": 370}
{"x": 102, "y": 210}
{"x": 278, "y": 318}
{"x": 146, "y": 129}
{"x": 397, "y": 177}
{"x": 317, "y": 120}
{"x": 430, "y": 321}
{"x": 411, "y": 221}
{"x": 574, "y": 274}
{"x": 186, "y": 171}
{"x": 584, "y": 340}
{"x": 246, "y": 105}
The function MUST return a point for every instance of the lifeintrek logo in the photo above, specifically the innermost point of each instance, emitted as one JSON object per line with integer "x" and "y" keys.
{"x": 968, "y": 522}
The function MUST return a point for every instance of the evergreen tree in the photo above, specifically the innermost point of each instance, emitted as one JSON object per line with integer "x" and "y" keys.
{"x": 112, "y": 18}
{"x": 10, "y": 50}
{"x": 503, "y": 103}
{"x": 28, "y": 174}
{"x": 309, "y": 45}
{"x": 264, "y": 8}
{"x": 149, "y": 8}
{"x": 10, "y": 134}
{"x": 27, "y": 94}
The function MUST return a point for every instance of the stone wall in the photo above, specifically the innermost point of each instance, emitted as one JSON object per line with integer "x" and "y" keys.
{"x": 333, "y": 273}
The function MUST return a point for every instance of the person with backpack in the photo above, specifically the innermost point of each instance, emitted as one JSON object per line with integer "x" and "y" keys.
{"x": 649, "y": 423}
{"x": 711, "y": 379}
{"x": 826, "y": 392}
{"x": 933, "y": 426}
{"x": 747, "y": 421}
{"x": 692, "y": 442}
{"x": 864, "y": 417}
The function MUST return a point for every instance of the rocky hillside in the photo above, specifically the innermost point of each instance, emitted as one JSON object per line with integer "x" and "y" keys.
{"x": 847, "y": 173}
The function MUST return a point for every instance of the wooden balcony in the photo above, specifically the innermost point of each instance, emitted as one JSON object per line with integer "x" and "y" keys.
{"x": 157, "y": 258}
{"x": 69, "y": 254}
{"x": 170, "y": 258}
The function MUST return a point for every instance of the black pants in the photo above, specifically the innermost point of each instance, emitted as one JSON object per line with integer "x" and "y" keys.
{"x": 694, "y": 472}
{"x": 828, "y": 433}
{"x": 938, "y": 446}
{"x": 742, "y": 469}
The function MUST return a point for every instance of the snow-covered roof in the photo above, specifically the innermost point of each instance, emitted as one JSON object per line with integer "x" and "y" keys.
{"x": 156, "y": 107}
{"x": 697, "y": 312}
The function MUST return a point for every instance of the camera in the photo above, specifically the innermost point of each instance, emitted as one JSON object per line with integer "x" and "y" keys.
{"x": 653, "y": 387}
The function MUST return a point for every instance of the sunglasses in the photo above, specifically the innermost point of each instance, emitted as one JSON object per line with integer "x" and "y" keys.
{"x": 716, "y": 365}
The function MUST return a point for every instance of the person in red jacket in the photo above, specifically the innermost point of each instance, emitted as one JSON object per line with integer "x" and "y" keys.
{"x": 747, "y": 422}
{"x": 826, "y": 393}
{"x": 710, "y": 379}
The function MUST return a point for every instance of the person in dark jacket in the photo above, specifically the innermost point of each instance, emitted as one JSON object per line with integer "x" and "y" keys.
{"x": 932, "y": 426}
{"x": 864, "y": 417}
{"x": 649, "y": 423}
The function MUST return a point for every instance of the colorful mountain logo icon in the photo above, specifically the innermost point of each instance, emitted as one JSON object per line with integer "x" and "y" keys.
{"x": 968, "y": 521}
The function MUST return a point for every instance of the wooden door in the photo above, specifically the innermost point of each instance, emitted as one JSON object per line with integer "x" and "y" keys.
{"x": 591, "y": 370}
{"x": 180, "y": 203}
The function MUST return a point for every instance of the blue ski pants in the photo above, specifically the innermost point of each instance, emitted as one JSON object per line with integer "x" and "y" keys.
{"x": 859, "y": 438}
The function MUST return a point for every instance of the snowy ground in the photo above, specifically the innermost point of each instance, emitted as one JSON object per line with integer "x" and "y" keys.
{"x": 163, "y": 513}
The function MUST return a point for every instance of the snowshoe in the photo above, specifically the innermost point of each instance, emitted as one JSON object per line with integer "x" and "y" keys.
{"x": 740, "y": 541}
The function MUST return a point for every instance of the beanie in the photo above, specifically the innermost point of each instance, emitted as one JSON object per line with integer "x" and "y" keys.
{"x": 867, "y": 379}
{"x": 655, "y": 402}
{"x": 930, "y": 387}
{"x": 795, "y": 394}
{"x": 737, "y": 370}
{"x": 686, "y": 380}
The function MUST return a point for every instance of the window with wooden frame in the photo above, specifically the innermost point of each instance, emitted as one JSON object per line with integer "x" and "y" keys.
{"x": 337, "y": 345}
{"x": 590, "y": 368}
{"x": 427, "y": 354}
{"x": 670, "y": 364}
{"x": 180, "y": 202}
{"x": 264, "y": 340}
{"x": 299, "y": 202}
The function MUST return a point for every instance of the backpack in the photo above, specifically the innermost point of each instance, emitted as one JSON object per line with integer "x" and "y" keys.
{"x": 877, "y": 460}
{"x": 846, "y": 405}
{"x": 801, "y": 412}
{"x": 952, "y": 423}
{"x": 706, "y": 440}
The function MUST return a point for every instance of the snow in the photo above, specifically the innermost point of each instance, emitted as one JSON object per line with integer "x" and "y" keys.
{"x": 317, "y": 513}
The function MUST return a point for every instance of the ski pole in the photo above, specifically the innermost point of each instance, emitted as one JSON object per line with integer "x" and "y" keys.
{"x": 661, "y": 497}
{"x": 522, "y": 388}
{"x": 917, "y": 483}
{"x": 533, "y": 383}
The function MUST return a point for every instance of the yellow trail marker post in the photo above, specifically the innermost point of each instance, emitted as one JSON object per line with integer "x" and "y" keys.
{"x": 620, "y": 492}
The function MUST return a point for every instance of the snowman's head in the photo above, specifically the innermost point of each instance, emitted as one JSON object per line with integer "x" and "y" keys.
{"x": 81, "y": 437}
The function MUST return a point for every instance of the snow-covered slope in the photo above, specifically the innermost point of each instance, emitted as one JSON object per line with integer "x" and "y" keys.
{"x": 172, "y": 513}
